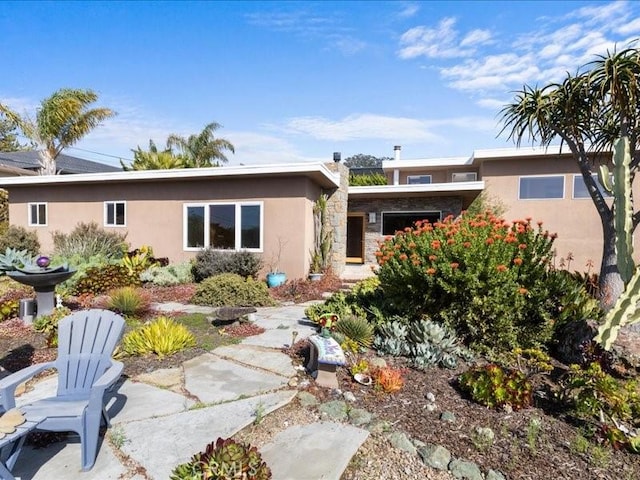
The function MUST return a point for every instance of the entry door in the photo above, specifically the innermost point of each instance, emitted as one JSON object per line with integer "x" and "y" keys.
{"x": 355, "y": 238}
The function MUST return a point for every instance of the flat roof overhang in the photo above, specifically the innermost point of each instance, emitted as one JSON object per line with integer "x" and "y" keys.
{"x": 467, "y": 190}
{"x": 317, "y": 172}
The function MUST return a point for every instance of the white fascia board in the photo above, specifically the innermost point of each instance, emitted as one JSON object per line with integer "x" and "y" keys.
{"x": 496, "y": 153}
{"x": 427, "y": 163}
{"x": 452, "y": 187}
{"x": 182, "y": 173}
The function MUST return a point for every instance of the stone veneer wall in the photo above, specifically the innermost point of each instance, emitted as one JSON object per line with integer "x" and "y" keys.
{"x": 337, "y": 215}
{"x": 373, "y": 231}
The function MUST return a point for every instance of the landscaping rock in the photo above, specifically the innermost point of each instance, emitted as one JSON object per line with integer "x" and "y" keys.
{"x": 379, "y": 426}
{"x": 448, "y": 417}
{"x": 627, "y": 347}
{"x": 335, "y": 410}
{"x": 572, "y": 337}
{"x": 359, "y": 417}
{"x": 307, "y": 399}
{"x": 435, "y": 456}
{"x": 226, "y": 314}
{"x": 494, "y": 475}
{"x": 402, "y": 442}
{"x": 430, "y": 397}
{"x": 465, "y": 470}
{"x": 349, "y": 397}
{"x": 377, "y": 362}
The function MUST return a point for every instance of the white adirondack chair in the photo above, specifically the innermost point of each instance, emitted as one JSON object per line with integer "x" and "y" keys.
{"x": 86, "y": 340}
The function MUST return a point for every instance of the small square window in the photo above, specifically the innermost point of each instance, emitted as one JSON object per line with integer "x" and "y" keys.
{"x": 115, "y": 214}
{"x": 38, "y": 214}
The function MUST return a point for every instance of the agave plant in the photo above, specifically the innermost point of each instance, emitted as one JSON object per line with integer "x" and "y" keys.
{"x": 12, "y": 259}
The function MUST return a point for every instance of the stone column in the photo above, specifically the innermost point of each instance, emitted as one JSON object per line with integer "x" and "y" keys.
{"x": 337, "y": 216}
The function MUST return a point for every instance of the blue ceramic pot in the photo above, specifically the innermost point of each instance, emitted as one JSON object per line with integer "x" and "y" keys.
{"x": 276, "y": 279}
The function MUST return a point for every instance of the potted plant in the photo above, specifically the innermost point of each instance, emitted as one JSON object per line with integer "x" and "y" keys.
{"x": 275, "y": 277}
{"x": 323, "y": 240}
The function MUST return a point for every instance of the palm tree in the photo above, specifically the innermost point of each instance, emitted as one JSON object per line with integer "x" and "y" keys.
{"x": 153, "y": 159}
{"x": 587, "y": 112}
{"x": 61, "y": 121}
{"x": 203, "y": 149}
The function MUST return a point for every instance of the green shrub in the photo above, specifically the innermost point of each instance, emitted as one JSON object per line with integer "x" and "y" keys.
{"x": 87, "y": 240}
{"x": 338, "y": 303}
{"x": 128, "y": 301}
{"x": 367, "y": 179}
{"x": 100, "y": 279}
{"x": 176, "y": 274}
{"x": 487, "y": 280}
{"x": 231, "y": 290}
{"x": 19, "y": 238}
{"x": 357, "y": 329}
{"x": 224, "y": 460}
{"x": 163, "y": 336}
{"x": 10, "y": 296}
{"x": 592, "y": 392}
{"x": 497, "y": 387}
{"x": 211, "y": 262}
{"x": 48, "y": 324}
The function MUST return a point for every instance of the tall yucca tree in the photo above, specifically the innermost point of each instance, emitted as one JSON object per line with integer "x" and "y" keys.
{"x": 154, "y": 159}
{"x": 587, "y": 112}
{"x": 62, "y": 120}
{"x": 202, "y": 149}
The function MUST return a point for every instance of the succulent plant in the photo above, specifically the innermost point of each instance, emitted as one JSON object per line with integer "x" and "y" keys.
{"x": 225, "y": 459}
{"x": 427, "y": 343}
{"x": 357, "y": 329}
{"x": 12, "y": 259}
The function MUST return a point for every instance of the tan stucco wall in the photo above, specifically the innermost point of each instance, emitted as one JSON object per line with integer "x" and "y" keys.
{"x": 576, "y": 221}
{"x": 154, "y": 212}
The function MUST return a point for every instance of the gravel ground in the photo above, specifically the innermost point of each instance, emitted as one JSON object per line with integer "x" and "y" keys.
{"x": 376, "y": 458}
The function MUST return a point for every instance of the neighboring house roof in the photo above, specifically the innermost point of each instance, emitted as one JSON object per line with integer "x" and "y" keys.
{"x": 316, "y": 171}
{"x": 66, "y": 164}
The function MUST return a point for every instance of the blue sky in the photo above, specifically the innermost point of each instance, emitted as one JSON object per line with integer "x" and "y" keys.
{"x": 296, "y": 81}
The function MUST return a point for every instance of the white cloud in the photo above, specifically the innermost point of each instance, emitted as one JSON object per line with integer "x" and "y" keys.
{"x": 409, "y": 10}
{"x": 359, "y": 126}
{"x": 256, "y": 148}
{"x": 629, "y": 28}
{"x": 438, "y": 42}
{"x": 491, "y": 103}
{"x": 304, "y": 23}
{"x": 476, "y": 37}
{"x": 552, "y": 47}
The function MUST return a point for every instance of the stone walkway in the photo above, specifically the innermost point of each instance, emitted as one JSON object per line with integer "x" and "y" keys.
{"x": 161, "y": 419}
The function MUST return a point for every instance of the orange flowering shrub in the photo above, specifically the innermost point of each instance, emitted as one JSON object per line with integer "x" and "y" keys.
{"x": 487, "y": 279}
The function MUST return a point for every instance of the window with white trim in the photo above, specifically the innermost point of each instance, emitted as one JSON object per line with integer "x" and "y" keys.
{"x": 418, "y": 179}
{"x": 38, "y": 214}
{"x": 464, "y": 177}
{"x": 541, "y": 187}
{"x": 580, "y": 188}
{"x": 115, "y": 214}
{"x": 224, "y": 226}
{"x": 397, "y": 221}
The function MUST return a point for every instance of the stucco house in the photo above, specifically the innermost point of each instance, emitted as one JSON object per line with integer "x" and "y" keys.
{"x": 269, "y": 208}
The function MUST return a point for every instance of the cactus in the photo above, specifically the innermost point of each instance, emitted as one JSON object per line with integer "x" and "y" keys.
{"x": 624, "y": 311}
{"x": 620, "y": 188}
